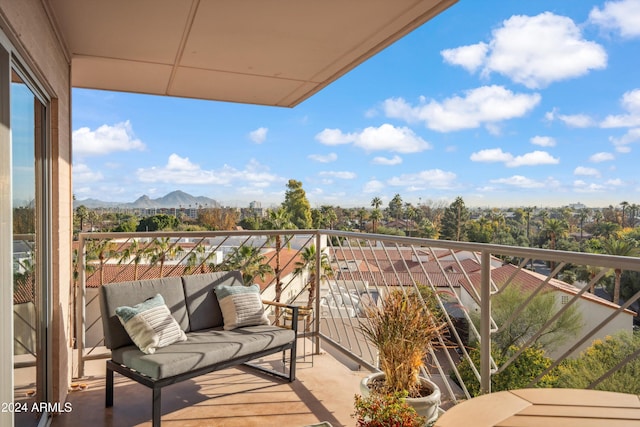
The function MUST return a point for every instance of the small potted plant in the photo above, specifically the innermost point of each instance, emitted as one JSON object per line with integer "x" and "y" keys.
{"x": 385, "y": 410}
{"x": 404, "y": 329}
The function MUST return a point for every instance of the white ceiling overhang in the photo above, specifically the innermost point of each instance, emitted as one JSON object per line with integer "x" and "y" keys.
{"x": 270, "y": 52}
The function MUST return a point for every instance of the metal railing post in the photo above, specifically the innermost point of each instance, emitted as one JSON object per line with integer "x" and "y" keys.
{"x": 485, "y": 324}
{"x": 317, "y": 297}
{"x": 80, "y": 309}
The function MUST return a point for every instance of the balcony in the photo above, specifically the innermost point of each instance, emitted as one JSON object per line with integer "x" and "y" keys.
{"x": 359, "y": 268}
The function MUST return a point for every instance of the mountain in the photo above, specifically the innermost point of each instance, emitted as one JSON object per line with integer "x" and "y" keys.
{"x": 175, "y": 199}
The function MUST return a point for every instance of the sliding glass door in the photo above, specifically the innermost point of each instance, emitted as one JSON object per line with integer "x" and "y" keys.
{"x": 30, "y": 223}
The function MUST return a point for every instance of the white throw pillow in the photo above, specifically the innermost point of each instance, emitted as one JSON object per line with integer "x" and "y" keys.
{"x": 150, "y": 324}
{"x": 241, "y": 306}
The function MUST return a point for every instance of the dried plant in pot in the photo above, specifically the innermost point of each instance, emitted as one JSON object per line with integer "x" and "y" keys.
{"x": 404, "y": 329}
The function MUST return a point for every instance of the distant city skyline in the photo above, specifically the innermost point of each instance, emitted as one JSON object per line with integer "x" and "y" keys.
{"x": 500, "y": 103}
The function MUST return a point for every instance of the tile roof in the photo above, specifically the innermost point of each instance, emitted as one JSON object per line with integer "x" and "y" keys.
{"x": 529, "y": 280}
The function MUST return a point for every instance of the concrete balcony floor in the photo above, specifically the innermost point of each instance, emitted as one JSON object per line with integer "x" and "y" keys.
{"x": 323, "y": 391}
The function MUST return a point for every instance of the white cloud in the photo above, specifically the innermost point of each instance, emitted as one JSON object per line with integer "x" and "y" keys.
{"x": 259, "y": 135}
{"x": 331, "y": 157}
{"x": 539, "y": 50}
{"x": 543, "y": 141}
{"x": 585, "y": 187}
{"x": 385, "y": 137}
{"x": 373, "y": 186}
{"x": 519, "y": 181}
{"x": 631, "y": 103}
{"x": 571, "y": 120}
{"x": 533, "y": 50}
{"x": 491, "y": 155}
{"x": 335, "y": 137}
{"x": 619, "y": 16}
{"x": 529, "y": 159}
{"x": 615, "y": 182}
{"x": 105, "y": 140}
{"x": 533, "y": 159}
{"x": 481, "y": 106}
{"x": 469, "y": 57}
{"x": 581, "y": 170}
{"x": 622, "y": 144}
{"x": 338, "y": 174}
{"x": 395, "y": 160}
{"x": 427, "y": 179}
{"x": 82, "y": 174}
{"x": 601, "y": 157}
{"x": 180, "y": 170}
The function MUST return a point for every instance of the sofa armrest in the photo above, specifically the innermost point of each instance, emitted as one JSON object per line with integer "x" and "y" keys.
{"x": 295, "y": 310}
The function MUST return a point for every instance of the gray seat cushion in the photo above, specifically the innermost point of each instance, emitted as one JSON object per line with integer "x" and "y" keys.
{"x": 202, "y": 303}
{"x": 202, "y": 348}
{"x": 115, "y": 295}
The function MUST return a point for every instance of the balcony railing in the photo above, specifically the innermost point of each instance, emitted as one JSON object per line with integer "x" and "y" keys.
{"x": 469, "y": 279}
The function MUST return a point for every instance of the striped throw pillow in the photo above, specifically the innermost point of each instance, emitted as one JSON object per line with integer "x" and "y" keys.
{"x": 150, "y": 324}
{"x": 241, "y": 306}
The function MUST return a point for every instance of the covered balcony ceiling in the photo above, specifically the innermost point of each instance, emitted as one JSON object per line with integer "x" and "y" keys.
{"x": 270, "y": 52}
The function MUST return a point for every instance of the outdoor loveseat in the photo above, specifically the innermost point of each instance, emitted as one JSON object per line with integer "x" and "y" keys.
{"x": 188, "y": 326}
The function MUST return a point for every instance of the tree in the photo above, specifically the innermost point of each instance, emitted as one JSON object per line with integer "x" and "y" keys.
{"x": 376, "y": 202}
{"x": 362, "y": 216}
{"x": 554, "y": 229}
{"x": 309, "y": 263}
{"x": 278, "y": 219}
{"x": 524, "y": 369}
{"x": 218, "y": 218}
{"x": 583, "y": 215}
{"x": 82, "y": 213}
{"x": 531, "y": 319}
{"x": 375, "y": 216}
{"x": 619, "y": 247}
{"x": 161, "y": 249}
{"x": 606, "y": 229}
{"x": 249, "y": 261}
{"x": 601, "y": 357}
{"x": 133, "y": 252}
{"x": 624, "y": 207}
{"x": 395, "y": 207}
{"x": 454, "y": 221}
{"x": 297, "y": 205}
{"x": 158, "y": 222}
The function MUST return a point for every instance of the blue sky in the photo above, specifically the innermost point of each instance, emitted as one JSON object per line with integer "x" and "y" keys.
{"x": 505, "y": 103}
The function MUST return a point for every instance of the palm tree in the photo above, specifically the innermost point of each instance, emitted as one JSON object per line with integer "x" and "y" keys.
{"x": 582, "y": 216}
{"x": 161, "y": 249}
{"x": 620, "y": 247}
{"x": 82, "y": 213}
{"x": 133, "y": 252}
{"x": 309, "y": 263}
{"x": 376, "y": 202}
{"x": 278, "y": 220}
{"x": 249, "y": 261}
{"x": 624, "y": 206}
{"x": 554, "y": 229}
{"x": 375, "y": 216}
{"x": 633, "y": 211}
{"x": 100, "y": 250}
{"x": 362, "y": 215}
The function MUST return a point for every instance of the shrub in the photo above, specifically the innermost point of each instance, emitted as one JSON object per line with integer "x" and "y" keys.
{"x": 598, "y": 359}
{"x": 385, "y": 410}
{"x": 519, "y": 374}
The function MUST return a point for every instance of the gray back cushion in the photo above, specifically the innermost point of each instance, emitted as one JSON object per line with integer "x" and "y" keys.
{"x": 115, "y": 295}
{"x": 202, "y": 303}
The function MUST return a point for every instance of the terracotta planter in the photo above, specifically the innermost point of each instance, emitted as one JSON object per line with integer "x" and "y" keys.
{"x": 426, "y": 406}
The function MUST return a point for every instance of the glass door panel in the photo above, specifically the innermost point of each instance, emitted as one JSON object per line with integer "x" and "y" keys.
{"x": 29, "y": 290}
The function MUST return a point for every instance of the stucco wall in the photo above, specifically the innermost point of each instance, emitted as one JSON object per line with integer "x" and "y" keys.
{"x": 28, "y": 27}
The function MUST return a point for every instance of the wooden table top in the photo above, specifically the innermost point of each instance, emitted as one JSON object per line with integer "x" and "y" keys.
{"x": 546, "y": 407}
